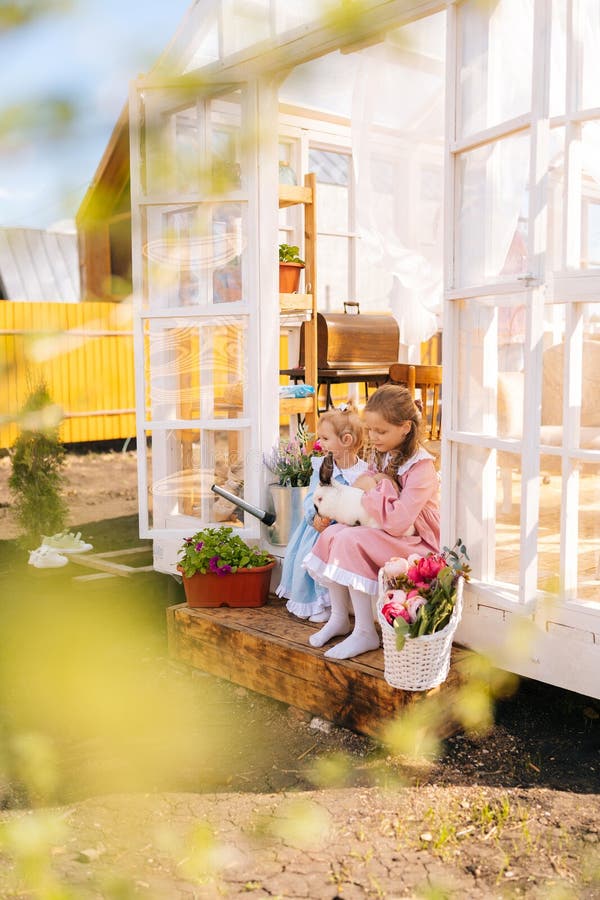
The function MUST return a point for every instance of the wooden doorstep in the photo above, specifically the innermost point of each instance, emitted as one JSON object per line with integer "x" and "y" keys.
{"x": 266, "y": 650}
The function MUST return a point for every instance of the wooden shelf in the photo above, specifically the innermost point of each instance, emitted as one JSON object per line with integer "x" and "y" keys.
{"x": 295, "y": 302}
{"x": 290, "y": 406}
{"x": 304, "y": 196}
{"x": 292, "y": 194}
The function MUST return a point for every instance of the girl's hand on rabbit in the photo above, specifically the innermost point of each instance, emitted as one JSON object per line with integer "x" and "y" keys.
{"x": 367, "y": 482}
{"x": 321, "y": 522}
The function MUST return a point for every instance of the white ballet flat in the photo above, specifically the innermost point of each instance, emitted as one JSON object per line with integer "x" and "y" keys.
{"x": 46, "y": 558}
{"x": 66, "y": 542}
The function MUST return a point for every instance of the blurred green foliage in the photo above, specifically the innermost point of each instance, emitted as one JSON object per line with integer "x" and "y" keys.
{"x": 37, "y": 457}
{"x": 21, "y": 12}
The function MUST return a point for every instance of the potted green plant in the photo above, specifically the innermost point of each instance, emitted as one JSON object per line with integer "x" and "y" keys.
{"x": 218, "y": 568}
{"x": 290, "y": 266}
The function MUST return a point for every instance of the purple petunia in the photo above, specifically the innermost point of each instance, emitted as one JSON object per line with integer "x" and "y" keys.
{"x": 199, "y": 546}
{"x": 213, "y": 565}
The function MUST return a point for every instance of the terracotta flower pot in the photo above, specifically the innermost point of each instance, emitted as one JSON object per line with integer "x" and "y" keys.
{"x": 246, "y": 587}
{"x": 289, "y": 277}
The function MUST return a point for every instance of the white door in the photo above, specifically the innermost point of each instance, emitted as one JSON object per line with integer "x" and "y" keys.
{"x": 197, "y": 281}
{"x": 521, "y": 454}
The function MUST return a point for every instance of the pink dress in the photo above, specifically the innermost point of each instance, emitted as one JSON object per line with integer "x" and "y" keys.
{"x": 353, "y": 555}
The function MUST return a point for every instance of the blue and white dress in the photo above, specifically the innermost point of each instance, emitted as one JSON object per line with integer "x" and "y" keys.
{"x": 305, "y": 597}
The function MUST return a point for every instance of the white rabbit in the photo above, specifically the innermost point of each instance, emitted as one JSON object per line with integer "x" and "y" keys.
{"x": 341, "y": 502}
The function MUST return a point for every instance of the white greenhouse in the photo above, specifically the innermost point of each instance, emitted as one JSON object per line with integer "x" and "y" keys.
{"x": 437, "y": 161}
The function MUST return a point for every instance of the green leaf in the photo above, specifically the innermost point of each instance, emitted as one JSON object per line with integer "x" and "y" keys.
{"x": 400, "y": 641}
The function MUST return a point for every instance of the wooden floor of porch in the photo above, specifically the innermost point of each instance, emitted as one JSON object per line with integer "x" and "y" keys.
{"x": 266, "y": 650}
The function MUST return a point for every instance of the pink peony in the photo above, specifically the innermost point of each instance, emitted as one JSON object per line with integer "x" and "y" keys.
{"x": 391, "y": 611}
{"x": 397, "y": 596}
{"x": 413, "y": 605}
{"x": 395, "y": 566}
{"x": 426, "y": 569}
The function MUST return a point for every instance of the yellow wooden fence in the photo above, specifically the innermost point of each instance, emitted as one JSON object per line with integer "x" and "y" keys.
{"x": 84, "y": 353}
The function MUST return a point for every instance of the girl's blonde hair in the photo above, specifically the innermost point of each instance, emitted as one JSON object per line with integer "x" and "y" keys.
{"x": 345, "y": 419}
{"x": 394, "y": 403}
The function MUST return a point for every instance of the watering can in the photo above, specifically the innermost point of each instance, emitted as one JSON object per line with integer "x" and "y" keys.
{"x": 267, "y": 517}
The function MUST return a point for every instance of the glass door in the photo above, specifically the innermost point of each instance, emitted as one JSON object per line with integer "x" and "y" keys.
{"x": 521, "y": 449}
{"x": 493, "y": 289}
{"x": 194, "y": 202}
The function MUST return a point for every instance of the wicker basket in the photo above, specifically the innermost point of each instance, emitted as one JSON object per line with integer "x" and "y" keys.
{"x": 423, "y": 662}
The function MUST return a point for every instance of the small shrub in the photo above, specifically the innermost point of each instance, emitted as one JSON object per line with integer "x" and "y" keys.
{"x": 37, "y": 457}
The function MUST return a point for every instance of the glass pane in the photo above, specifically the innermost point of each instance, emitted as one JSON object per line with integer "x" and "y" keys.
{"x": 556, "y": 189}
{"x": 584, "y": 393}
{"x": 492, "y": 204}
{"x": 588, "y": 528}
{"x": 508, "y": 506}
{"x": 495, "y": 46}
{"x": 332, "y": 207}
{"x": 558, "y": 69}
{"x": 208, "y": 45}
{"x": 172, "y": 142}
{"x": 491, "y": 332}
{"x": 333, "y": 176}
{"x": 287, "y": 168}
{"x": 246, "y": 22}
{"x": 474, "y": 469}
{"x": 195, "y": 371}
{"x": 590, "y": 82}
{"x": 589, "y": 532}
{"x": 194, "y": 254}
{"x": 224, "y": 115}
{"x": 183, "y": 465}
{"x": 195, "y": 148}
{"x": 290, "y": 15}
{"x": 590, "y": 195}
{"x": 549, "y": 526}
{"x": 332, "y": 253}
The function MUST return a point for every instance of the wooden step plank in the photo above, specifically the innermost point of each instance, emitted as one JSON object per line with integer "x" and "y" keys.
{"x": 267, "y": 651}
{"x": 97, "y": 576}
{"x": 274, "y": 623}
{"x": 130, "y": 551}
{"x": 104, "y": 565}
{"x": 99, "y": 561}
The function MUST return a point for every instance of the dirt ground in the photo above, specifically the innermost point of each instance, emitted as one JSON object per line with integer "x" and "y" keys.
{"x": 98, "y": 486}
{"x": 264, "y": 799}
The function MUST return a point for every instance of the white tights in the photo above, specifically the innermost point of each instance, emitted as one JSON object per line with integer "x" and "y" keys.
{"x": 364, "y": 635}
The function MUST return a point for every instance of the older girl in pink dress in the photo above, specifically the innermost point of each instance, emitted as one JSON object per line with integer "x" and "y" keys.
{"x": 402, "y": 493}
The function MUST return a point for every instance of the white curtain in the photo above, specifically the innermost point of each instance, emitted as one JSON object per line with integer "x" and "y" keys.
{"x": 397, "y": 143}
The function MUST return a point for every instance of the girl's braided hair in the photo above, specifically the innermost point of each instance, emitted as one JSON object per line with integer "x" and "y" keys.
{"x": 394, "y": 403}
{"x": 345, "y": 419}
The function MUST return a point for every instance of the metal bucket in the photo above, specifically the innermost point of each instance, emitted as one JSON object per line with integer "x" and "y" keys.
{"x": 287, "y": 504}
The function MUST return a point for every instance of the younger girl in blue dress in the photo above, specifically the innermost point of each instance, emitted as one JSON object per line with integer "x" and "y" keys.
{"x": 339, "y": 432}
